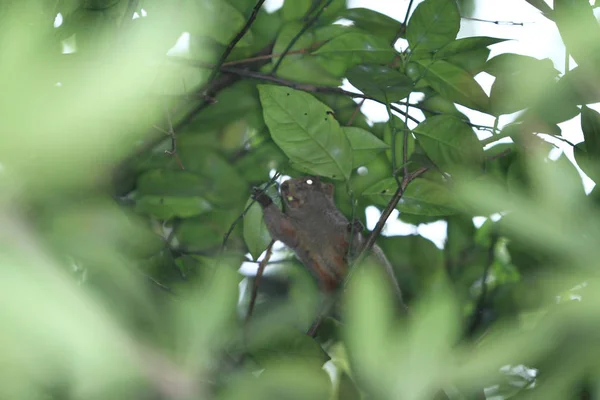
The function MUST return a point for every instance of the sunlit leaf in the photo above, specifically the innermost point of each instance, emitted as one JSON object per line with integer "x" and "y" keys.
{"x": 449, "y": 142}
{"x": 305, "y": 130}
{"x": 365, "y": 145}
{"x": 455, "y": 84}
{"x": 433, "y": 24}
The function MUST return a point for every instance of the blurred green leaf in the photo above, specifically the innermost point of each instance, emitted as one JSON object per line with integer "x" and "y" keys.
{"x": 295, "y": 10}
{"x": 171, "y": 183}
{"x": 578, "y": 29}
{"x": 167, "y": 207}
{"x": 519, "y": 80}
{"x": 303, "y": 128}
{"x": 465, "y": 46}
{"x": 300, "y": 67}
{"x": 449, "y": 142}
{"x": 454, "y": 84}
{"x": 422, "y": 197}
{"x": 590, "y": 125}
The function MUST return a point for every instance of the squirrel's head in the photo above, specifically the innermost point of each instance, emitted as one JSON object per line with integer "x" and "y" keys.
{"x": 299, "y": 191}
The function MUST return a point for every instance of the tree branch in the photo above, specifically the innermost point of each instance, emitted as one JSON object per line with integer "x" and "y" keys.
{"x": 259, "y": 273}
{"x": 236, "y": 39}
{"x": 406, "y": 180}
{"x": 478, "y": 313}
{"x": 306, "y": 26}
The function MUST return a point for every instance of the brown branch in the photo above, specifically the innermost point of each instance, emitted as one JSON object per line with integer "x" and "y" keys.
{"x": 259, "y": 273}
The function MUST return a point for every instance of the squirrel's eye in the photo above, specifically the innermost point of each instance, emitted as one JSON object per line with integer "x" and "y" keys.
{"x": 309, "y": 181}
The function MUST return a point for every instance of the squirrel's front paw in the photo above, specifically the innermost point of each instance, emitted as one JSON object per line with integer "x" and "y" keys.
{"x": 261, "y": 197}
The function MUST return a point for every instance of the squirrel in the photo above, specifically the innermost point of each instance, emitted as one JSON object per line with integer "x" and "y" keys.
{"x": 321, "y": 236}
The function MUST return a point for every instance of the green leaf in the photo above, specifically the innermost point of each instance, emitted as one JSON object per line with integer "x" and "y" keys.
{"x": 422, "y": 197}
{"x": 167, "y": 207}
{"x": 579, "y": 30}
{"x": 216, "y": 19}
{"x": 295, "y": 10}
{"x": 455, "y": 84}
{"x": 206, "y": 231}
{"x": 365, "y": 145}
{"x": 519, "y": 81}
{"x": 381, "y": 82}
{"x": 305, "y": 130}
{"x": 226, "y": 187}
{"x": 256, "y": 234}
{"x": 509, "y": 64}
{"x": 473, "y": 62}
{"x": 373, "y": 22}
{"x": 433, "y": 24}
{"x": 465, "y": 46}
{"x": 398, "y": 142}
{"x": 300, "y": 67}
{"x": 171, "y": 183}
{"x": 590, "y": 125}
{"x": 352, "y": 48}
{"x": 449, "y": 142}
{"x": 469, "y": 53}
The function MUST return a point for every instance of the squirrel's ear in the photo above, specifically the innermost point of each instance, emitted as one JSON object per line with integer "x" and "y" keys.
{"x": 328, "y": 189}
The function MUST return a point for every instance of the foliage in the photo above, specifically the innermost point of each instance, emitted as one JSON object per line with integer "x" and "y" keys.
{"x": 127, "y": 166}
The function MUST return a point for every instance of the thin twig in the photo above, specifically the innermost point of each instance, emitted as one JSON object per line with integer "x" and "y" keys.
{"x": 306, "y": 26}
{"x": 388, "y": 211}
{"x": 236, "y": 39}
{"x": 171, "y": 133}
{"x": 405, "y": 141}
{"x": 478, "y": 313}
{"x": 239, "y": 218}
{"x": 420, "y": 107}
{"x": 270, "y": 56}
{"x": 496, "y": 22}
{"x": 355, "y": 112}
{"x": 408, "y": 12}
{"x": 259, "y": 273}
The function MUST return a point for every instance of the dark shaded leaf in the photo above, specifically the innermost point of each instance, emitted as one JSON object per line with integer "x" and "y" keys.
{"x": 373, "y": 22}
{"x": 381, "y": 82}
